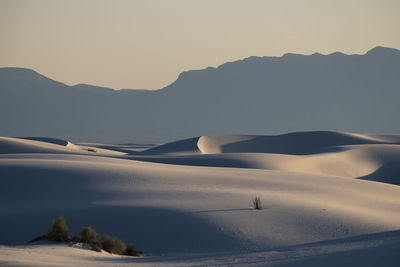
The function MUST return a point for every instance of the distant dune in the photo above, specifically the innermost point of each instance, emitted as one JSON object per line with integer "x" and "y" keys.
{"x": 293, "y": 143}
{"x": 47, "y": 145}
{"x": 372, "y": 157}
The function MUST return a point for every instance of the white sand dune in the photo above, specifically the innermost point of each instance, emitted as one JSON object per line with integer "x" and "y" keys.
{"x": 378, "y": 162}
{"x": 196, "y": 209}
{"x": 56, "y": 141}
{"x": 9, "y": 145}
{"x": 185, "y": 147}
{"x": 124, "y": 148}
{"x": 292, "y": 143}
{"x": 369, "y": 250}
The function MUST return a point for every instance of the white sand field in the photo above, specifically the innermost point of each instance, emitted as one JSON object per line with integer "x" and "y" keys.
{"x": 329, "y": 199}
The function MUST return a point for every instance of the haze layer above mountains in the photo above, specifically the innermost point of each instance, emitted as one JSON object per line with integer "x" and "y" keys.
{"x": 257, "y": 95}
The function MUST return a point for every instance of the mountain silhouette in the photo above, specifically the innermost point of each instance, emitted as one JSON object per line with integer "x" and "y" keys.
{"x": 256, "y": 95}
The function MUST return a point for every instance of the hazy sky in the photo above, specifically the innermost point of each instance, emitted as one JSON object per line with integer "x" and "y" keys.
{"x": 146, "y": 44}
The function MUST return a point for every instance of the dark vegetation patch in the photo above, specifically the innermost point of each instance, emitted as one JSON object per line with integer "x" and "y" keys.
{"x": 58, "y": 232}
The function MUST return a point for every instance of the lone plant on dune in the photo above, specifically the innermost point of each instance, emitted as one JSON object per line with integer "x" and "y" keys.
{"x": 88, "y": 235}
{"x": 257, "y": 203}
{"x": 113, "y": 245}
{"x": 132, "y": 250}
{"x": 58, "y": 231}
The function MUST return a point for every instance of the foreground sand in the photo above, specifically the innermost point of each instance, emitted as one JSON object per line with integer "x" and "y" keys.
{"x": 327, "y": 197}
{"x": 370, "y": 250}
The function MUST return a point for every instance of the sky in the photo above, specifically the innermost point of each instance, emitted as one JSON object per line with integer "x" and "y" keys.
{"x": 146, "y": 44}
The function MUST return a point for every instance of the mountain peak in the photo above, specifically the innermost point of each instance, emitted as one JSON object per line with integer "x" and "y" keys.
{"x": 22, "y": 72}
{"x": 381, "y": 50}
{"x": 24, "y": 75}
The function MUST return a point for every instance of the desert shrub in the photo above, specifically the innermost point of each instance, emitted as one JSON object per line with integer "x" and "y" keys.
{"x": 58, "y": 231}
{"x": 112, "y": 245}
{"x": 75, "y": 238}
{"x": 88, "y": 235}
{"x": 96, "y": 246}
{"x": 39, "y": 238}
{"x": 132, "y": 250}
{"x": 257, "y": 203}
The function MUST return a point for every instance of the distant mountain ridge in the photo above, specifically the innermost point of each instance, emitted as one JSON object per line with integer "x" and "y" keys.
{"x": 256, "y": 95}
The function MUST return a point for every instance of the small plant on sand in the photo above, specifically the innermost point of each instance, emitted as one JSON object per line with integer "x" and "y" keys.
{"x": 88, "y": 235}
{"x": 132, "y": 250}
{"x": 58, "y": 231}
{"x": 257, "y": 203}
{"x": 96, "y": 246}
{"x": 112, "y": 245}
{"x": 75, "y": 238}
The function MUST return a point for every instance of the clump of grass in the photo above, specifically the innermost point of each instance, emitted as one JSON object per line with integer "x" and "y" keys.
{"x": 75, "y": 239}
{"x": 58, "y": 231}
{"x": 96, "y": 247}
{"x": 257, "y": 203}
{"x": 113, "y": 245}
{"x": 88, "y": 235}
{"x": 132, "y": 250}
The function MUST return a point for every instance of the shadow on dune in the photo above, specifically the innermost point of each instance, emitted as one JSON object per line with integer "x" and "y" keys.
{"x": 203, "y": 161}
{"x": 153, "y": 230}
{"x": 47, "y": 140}
{"x": 32, "y": 197}
{"x": 118, "y": 149}
{"x": 379, "y": 249}
{"x": 389, "y": 235}
{"x": 300, "y": 143}
{"x": 28, "y": 188}
{"x": 388, "y": 173}
{"x": 221, "y": 210}
{"x": 186, "y": 145}
{"x": 129, "y": 149}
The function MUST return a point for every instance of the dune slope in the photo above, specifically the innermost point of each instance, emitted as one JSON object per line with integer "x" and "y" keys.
{"x": 171, "y": 203}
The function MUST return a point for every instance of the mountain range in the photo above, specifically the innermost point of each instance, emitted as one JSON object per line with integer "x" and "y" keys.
{"x": 256, "y": 95}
